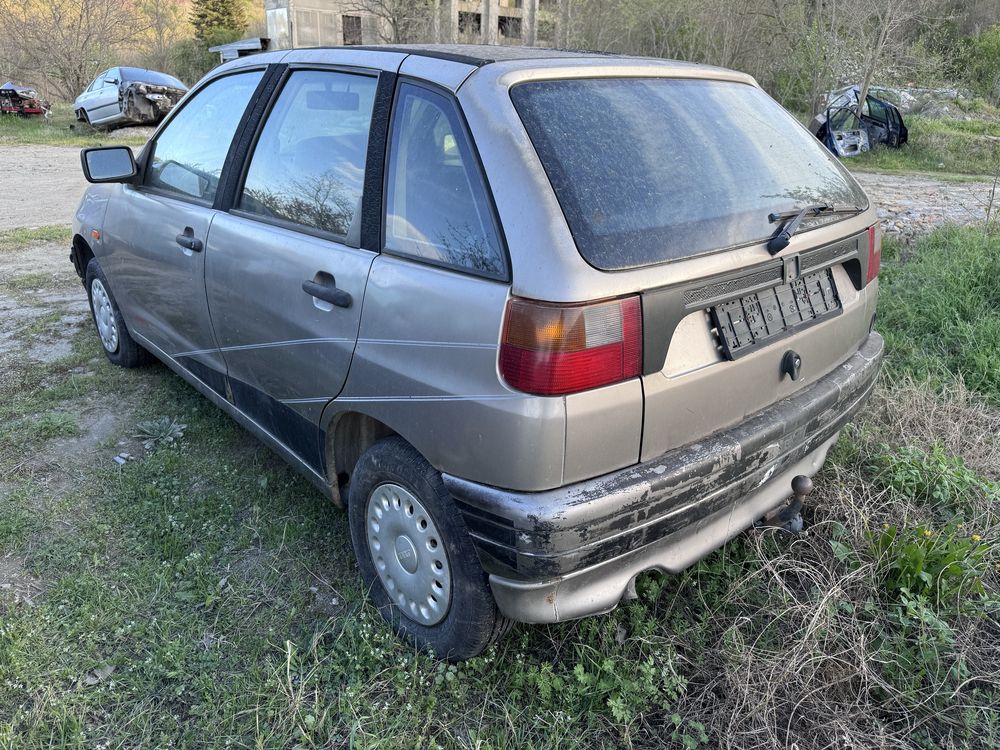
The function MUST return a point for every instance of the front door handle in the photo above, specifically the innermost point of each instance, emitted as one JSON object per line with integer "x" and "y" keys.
{"x": 327, "y": 292}
{"x": 188, "y": 241}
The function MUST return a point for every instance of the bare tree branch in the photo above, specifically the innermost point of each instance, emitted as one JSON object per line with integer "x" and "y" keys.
{"x": 68, "y": 41}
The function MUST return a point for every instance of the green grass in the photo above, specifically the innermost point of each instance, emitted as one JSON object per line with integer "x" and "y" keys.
{"x": 948, "y": 148}
{"x": 56, "y": 424}
{"x": 17, "y": 239}
{"x": 222, "y": 590}
{"x": 60, "y": 128}
{"x": 29, "y": 281}
{"x": 940, "y": 308}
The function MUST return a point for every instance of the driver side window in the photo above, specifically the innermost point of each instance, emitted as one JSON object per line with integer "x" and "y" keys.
{"x": 187, "y": 157}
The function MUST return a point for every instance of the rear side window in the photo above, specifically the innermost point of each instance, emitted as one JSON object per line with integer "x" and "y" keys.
{"x": 878, "y": 110}
{"x": 188, "y": 154}
{"x": 437, "y": 207}
{"x": 309, "y": 163}
{"x": 651, "y": 170}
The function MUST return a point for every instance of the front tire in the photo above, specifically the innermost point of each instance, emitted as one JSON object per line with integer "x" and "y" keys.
{"x": 416, "y": 557}
{"x": 119, "y": 346}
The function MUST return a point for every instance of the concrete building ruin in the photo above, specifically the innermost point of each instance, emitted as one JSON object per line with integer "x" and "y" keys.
{"x": 324, "y": 23}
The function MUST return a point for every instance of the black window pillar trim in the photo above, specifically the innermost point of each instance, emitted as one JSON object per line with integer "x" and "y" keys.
{"x": 236, "y": 157}
{"x": 378, "y": 140}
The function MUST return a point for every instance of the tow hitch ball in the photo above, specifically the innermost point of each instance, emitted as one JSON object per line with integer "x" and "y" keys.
{"x": 789, "y": 518}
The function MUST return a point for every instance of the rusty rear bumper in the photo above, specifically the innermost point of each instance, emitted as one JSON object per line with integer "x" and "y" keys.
{"x": 575, "y": 551}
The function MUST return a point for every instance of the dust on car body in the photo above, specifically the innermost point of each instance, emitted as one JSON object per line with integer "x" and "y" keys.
{"x": 535, "y": 325}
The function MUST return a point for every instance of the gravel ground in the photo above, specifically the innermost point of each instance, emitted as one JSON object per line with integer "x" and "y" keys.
{"x": 39, "y": 185}
{"x": 909, "y": 205}
{"x": 42, "y": 185}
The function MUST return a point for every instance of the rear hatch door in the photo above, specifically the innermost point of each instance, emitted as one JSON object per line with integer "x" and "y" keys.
{"x": 652, "y": 172}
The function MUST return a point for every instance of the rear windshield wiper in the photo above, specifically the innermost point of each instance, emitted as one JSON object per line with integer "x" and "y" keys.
{"x": 792, "y": 220}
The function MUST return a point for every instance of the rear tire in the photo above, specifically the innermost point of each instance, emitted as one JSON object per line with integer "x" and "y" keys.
{"x": 414, "y": 553}
{"x": 119, "y": 346}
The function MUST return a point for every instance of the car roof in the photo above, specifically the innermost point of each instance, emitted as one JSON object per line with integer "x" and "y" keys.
{"x": 485, "y": 54}
{"x": 451, "y": 64}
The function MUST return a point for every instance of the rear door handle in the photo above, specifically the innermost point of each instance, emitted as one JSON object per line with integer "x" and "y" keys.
{"x": 188, "y": 241}
{"x": 327, "y": 292}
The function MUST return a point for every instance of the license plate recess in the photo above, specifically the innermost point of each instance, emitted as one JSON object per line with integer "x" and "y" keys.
{"x": 764, "y": 317}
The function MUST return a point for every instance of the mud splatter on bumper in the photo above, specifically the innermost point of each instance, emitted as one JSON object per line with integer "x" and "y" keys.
{"x": 593, "y": 537}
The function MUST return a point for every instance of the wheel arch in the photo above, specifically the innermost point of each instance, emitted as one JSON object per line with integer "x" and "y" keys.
{"x": 348, "y": 434}
{"x": 81, "y": 254}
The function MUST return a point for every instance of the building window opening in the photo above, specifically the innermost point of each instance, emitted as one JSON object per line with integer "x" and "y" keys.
{"x": 352, "y": 29}
{"x": 470, "y": 23}
{"x": 509, "y": 27}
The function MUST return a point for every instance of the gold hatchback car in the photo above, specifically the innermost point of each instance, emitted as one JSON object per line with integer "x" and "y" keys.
{"x": 541, "y": 320}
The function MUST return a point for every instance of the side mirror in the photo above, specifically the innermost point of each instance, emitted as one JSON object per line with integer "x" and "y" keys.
{"x": 108, "y": 164}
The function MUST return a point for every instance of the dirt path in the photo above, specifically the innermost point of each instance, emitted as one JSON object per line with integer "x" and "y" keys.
{"x": 39, "y": 185}
{"x": 910, "y": 205}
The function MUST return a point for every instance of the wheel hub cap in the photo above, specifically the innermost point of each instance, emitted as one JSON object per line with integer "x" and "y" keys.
{"x": 104, "y": 316}
{"x": 408, "y": 553}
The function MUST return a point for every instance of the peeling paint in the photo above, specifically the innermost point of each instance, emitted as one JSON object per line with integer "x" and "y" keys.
{"x": 564, "y": 530}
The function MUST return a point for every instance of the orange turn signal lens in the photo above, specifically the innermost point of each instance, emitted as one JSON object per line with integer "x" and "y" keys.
{"x": 551, "y": 349}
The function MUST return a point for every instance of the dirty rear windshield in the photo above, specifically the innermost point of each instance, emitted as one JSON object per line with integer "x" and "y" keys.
{"x": 652, "y": 170}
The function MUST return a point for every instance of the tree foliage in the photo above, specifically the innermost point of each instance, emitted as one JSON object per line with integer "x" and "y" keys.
{"x": 209, "y": 17}
{"x": 796, "y": 49}
{"x": 980, "y": 58}
{"x": 165, "y": 28}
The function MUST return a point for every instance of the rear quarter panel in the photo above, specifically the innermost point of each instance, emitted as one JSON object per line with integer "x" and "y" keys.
{"x": 426, "y": 366}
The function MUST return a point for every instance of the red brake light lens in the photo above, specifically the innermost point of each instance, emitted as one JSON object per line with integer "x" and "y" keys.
{"x": 874, "y": 253}
{"x": 552, "y": 350}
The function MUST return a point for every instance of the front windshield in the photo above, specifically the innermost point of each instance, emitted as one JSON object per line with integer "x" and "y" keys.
{"x": 649, "y": 170}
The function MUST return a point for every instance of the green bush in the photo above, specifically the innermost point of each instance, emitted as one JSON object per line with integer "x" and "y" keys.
{"x": 980, "y": 61}
{"x": 942, "y": 567}
{"x": 940, "y": 309}
{"x": 935, "y": 478}
{"x": 192, "y": 59}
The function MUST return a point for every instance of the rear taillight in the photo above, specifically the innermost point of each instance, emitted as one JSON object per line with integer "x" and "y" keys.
{"x": 551, "y": 350}
{"x": 874, "y": 253}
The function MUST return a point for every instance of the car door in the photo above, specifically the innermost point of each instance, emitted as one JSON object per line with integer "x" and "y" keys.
{"x": 161, "y": 226}
{"x": 87, "y": 100}
{"x": 876, "y": 121}
{"x": 286, "y": 275}
{"x": 103, "y": 103}
{"x": 83, "y": 100}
